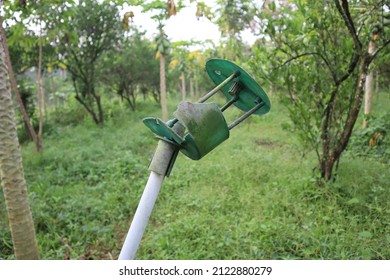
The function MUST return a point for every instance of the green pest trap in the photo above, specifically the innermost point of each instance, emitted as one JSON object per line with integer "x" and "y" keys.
{"x": 204, "y": 122}
{"x": 196, "y": 129}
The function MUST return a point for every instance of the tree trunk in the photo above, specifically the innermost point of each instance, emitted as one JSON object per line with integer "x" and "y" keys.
{"x": 332, "y": 156}
{"x": 130, "y": 97}
{"x": 196, "y": 87}
{"x": 163, "y": 97}
{"x": 369, "y": 89}
{"x": 183, "y": 86}
{"x": 53, "y": 90}
{"x": 100, "y": 109}
{"x": 12, "y": 175}
{"x": 15, "y": 89}
{"x": 90, "y": 110}
{"x": 192, "y": 94}
{"x": 40, "y": 96}
{"x": 95, "y": 97}
{"x": 377, "y": 83}
{"x": 87, "y": 99}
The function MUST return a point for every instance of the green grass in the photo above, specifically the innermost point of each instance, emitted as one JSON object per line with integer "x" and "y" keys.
{"x": 254, "y": 197}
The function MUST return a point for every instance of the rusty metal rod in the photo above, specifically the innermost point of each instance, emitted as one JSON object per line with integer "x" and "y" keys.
{"x": 217, "y": 88}
{"x": 246, "y": 115}
{"x": 229, "y": 103}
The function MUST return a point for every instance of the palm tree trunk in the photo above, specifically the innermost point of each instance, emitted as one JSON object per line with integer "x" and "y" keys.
{"x": 183, "y": 86}
{"x": 377, "y": 83}
{"x": 26, "y": 119}
{"x": 192, "y": 94}
{"x": 196, "y": 87}
{"x": 369, "y": 88}
{"x": 12, "y": 175}
{"x": 163, "y": 97}
{"x": 40, "y": 96}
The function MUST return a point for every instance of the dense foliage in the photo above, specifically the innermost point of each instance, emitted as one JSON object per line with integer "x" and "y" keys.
{"x": 320, "y": 61}
{"x": 95, "y": 29}
{"x": 129, "y": 69}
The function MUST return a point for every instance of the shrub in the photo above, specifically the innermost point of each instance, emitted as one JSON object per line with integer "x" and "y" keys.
{"x": 373, "y": 141}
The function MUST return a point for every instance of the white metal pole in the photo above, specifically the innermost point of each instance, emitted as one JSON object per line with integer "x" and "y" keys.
{"x": 141, "y": 216}
{"x": 160, "y": 167}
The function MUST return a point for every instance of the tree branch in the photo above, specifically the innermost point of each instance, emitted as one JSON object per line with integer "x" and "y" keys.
{"x": 306, "y": 54}
{"x": 357, "y": 102}
{"x": 293, "y": 58}
{"x": 345, "y": 14}
{"x": 79, "y": 64}
{"x": 89, "y": 109}
{"x": 352, "y": 65}
{"x": 379, "y": 49}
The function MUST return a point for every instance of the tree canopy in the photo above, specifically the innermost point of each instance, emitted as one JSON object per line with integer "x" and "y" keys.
{"x": 317, "y": 53}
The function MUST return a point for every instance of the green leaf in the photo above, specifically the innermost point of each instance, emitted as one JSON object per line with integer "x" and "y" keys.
{"x": 365, "y": 234}
{"x": 352, "y": 201}
{"x": 272, "y": 6}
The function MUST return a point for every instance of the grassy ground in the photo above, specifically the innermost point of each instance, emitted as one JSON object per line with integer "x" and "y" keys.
{"x": 254, "y": 197}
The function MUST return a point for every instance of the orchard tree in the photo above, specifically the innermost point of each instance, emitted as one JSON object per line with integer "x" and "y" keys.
{"x": 130, "y": 67}
{"x": 19, "y": 31}
{"x": 189, "y": 65}
{"x": 233, "y": 17}
{"x": 33, "y": 28}
{"x": 92, "y": 29}
{"x": 180, "y": 62}
{"x": 317, "y": 53}
{"x": 196, "y": 63}
{"x": 163, "y": 10}
{"x": 377, "y": 24}
{"x": 26, "y": 118}
{"x": 12, "y": 175}
{"x": 162, "y": 49}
